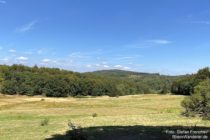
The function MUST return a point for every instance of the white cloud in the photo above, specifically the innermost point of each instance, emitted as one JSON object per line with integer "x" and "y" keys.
{"x": 126, "y": 68}
{"x": 46, "y": 60}
{"x": 98, "y": 66}
{"x": 106, "y": 66}
{"x": 118, "y": 66}
{"x": 160, "y": 41}
{"x": 149, "y": 43}
{"x": 3, "y": 2}
{"x": 89, "y": 66}
{"x": 27, "y": 27}
{"x": 122, "y": 67}
{"x": 12, "y": 50}
{"x": 22, "y": 58}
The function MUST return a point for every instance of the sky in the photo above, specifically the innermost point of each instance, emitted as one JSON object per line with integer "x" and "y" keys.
{"x": 157, "y": 36}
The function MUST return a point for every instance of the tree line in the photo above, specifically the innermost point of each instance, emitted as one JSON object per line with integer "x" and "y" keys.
{"x": 54, "y": 82}
{"x": 186, "y": 84}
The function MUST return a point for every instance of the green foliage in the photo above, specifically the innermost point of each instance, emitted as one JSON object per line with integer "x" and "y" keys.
{"x": 185, "y": 85}
{"x": 141, "y": 83}
{"x": 164, "y": 90}
{"x": 53, "y": 82}
{"x": 199, "y": 102}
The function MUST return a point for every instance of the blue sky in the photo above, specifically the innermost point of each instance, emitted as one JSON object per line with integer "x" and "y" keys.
{"x": 169, "y": 37}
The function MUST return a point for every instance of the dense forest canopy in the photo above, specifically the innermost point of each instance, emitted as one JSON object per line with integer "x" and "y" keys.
{"x": 24, "y": 80}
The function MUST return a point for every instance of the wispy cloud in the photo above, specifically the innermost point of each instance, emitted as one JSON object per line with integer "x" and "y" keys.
{"x": 12, "y": 50}
{"x": 46, "y": 60}
{"x": 89, "y": 65}
{"x": 149, "y": 43}
{"x": 27, "y": 27}
{"x": 125, "y": 58}
{"x": 160, "y": 41}
{"x": 100, "y": 66}
{"x": 122, "y": 67}
{"x": 50, "y": 62}
{"x": 22, "y": 58}
{"x": 126, "y": 68}
{"x": 5, "y": 59}
{"x": 78, "y": 55}
{"x": 3, "y": 2}
{"x": 118, "y": 66}
{"x": 132, "y": 57}
{"x": 77, "y": 61}
{"x": 106, "y": 66}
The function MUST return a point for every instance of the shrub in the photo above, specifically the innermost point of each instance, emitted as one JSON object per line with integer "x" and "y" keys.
{"x": 199, "y": 102}
{"x": 44, "y": 122}
{"x": 94, "y": 115}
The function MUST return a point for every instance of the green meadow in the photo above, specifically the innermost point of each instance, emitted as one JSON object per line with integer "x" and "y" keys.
{"x": 21, "y": 117}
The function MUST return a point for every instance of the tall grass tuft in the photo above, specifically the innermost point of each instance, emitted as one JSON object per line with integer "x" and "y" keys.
{"x": 44, "y": 122}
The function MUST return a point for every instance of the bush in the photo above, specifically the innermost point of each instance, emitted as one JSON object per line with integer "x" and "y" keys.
{"x": 44, "y": 122}
{"x": 94, "y": 115}
{"x": 199, "y": 102}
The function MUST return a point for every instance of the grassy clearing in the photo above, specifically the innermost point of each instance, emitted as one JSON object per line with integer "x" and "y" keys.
{"x": 21, "y": 116}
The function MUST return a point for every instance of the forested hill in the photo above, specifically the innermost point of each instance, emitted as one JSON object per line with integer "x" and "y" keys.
{"x": 149, "y": 82}
{"x": 122, "y": 73}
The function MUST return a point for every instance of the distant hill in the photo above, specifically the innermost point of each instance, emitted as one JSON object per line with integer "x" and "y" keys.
{"x": 126, "y": 74}
{"x": 150, "y": 82}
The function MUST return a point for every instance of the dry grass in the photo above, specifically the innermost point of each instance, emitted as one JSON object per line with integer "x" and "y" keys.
{"x": 20, "y": 116}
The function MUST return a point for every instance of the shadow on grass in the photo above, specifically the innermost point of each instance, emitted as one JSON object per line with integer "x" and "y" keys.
{"x": 135, "y": 133}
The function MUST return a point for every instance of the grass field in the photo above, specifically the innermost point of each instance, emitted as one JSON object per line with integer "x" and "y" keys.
{"x": 21, "y": 116}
